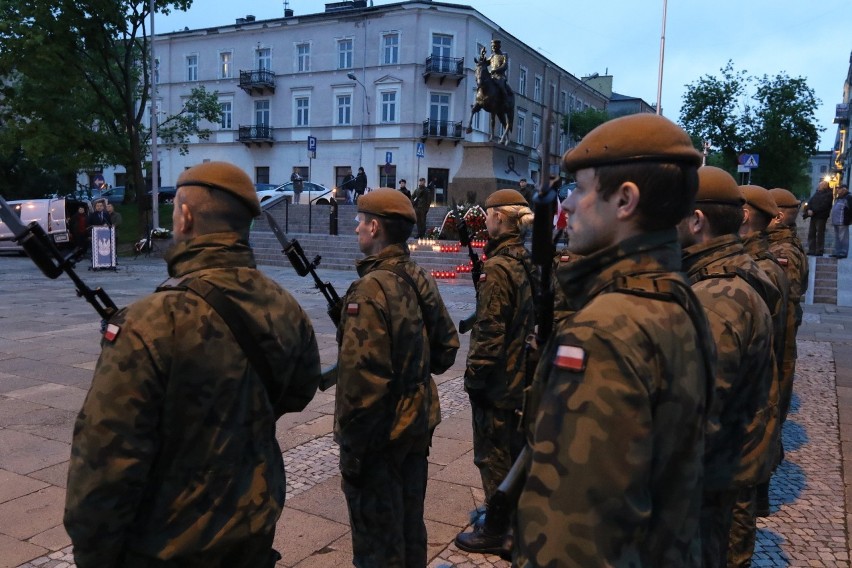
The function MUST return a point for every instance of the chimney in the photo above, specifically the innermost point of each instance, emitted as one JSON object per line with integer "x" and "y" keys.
{"x": 250, "y": 18}
{"x": 241, "y": 21}
{"x": 288, "y": 12}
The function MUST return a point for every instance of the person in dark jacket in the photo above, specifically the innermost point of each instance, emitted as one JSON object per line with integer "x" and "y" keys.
{"x": 817, "y": 209}
{"x": 360, "y": 184}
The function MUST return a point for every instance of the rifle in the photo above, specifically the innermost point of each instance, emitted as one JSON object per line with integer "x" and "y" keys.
{"x": 296, "y": 255}
{"x": 43, "y": 252}
{"x": 466, "y": 324}
{"x": 504, "y": 501}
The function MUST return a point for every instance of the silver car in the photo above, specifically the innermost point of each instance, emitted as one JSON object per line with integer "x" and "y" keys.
{"x": 318, "y": 194}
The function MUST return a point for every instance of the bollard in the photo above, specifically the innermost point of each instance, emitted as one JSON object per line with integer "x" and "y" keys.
{"x": 332, "y": 217}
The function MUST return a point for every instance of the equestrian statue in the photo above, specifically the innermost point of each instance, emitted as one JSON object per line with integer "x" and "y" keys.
{"x": 493, "y": 92}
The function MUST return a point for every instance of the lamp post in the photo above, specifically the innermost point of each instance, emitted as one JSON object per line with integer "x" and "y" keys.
{"x": 365, "y": 110}
{"x": 582, "y": 82}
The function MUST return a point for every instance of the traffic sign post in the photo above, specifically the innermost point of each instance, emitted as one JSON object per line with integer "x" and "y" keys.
{"x": 747, "y": 162}
{"x": 421, "y": 153}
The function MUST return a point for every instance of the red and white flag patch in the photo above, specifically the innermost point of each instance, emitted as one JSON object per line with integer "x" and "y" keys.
{"x": 565, "y": 258}
{"x": 111, "y": 332}
{"x": 352, "y": 309}
{"x": 482, "y": 277}
{"x": 570, "y": 358}
{"x": 783, "y": 261}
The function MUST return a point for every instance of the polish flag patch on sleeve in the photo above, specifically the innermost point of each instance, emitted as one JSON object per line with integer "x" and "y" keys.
{"x": 111, "y": 332}
{"x": 482, "y": 277}
{"x": 783, "y": 261}
{"x": 565, "y": 258}
{"x": 352, "y": 309}
{"x": 570, "y": 358}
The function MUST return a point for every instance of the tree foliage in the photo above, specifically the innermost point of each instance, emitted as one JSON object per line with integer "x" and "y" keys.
{"x": 583, "y": 122}
{"x": 76, "y": 85}
{"x": 770, "y": 116}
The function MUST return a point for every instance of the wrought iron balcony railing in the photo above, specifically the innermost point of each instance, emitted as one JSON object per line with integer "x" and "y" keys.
{"x": 257, "y": 80}
{"x": 442, "y": 129}
{"x": 444, "y": 67}
{"x": 255, "y": 134}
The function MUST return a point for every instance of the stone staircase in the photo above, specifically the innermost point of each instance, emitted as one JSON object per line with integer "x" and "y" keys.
{"x": 825, "y": 280}
{"x": 339, "y": 252}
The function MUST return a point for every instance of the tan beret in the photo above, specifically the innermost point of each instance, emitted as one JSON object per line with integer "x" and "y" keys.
{"x": 224, "y": 177}
{"x": 783, "y": 197}
{"x": 715, "y": 185}
{"x": 504, "y": 197}
{"x": 633, "y": 138}
{"x": 760, "y": 198}
{"x": 387, "y": 202}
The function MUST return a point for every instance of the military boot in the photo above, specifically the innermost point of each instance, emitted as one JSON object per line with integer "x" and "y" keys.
{"x": 480, "y": 541}
{"x": 761, "y": 500}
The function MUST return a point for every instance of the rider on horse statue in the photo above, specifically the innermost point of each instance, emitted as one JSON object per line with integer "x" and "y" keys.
{"x": 498, "y": 65}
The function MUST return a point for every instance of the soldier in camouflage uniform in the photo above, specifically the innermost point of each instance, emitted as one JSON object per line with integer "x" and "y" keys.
{"x": 394, "y": 333}
{"x": 753, "y": 501}
{"x": 788, "y": 249}
{"x": 174, "y": 460}
{"x": 497, "y": 361}
{"x": 730, "y": 287}
{"x": 618, "y": 442}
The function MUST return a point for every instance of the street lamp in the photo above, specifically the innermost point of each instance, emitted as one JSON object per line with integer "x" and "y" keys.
{"x": 582, "y": 82}
{"x": 364, "y": 110}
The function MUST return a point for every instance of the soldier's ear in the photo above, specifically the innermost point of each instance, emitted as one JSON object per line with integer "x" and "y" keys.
{"x": 627, "y": 200}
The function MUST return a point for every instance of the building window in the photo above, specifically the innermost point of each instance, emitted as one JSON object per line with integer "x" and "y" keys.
{"x": 520, "y": 123}
{"x": 192, "y": 68}
{"x": 226, "y": 120}
{"x": 225, "y": 64}
{"x": 536, "y": 131}
{"x": 344, "y": 54}
{"x": 537, "y": 89}
{"x": 303, "y": 57}
{"x": 388, "y": 106}
{"x": 522, "y": 82}
{"x": 261, "y": 113}
{"x": 263, "y": 58}
{"x": 261, "y": 174}
{"x": 439, "y": 114}
{"x": 303, "y": 111}
{"x": 390, "y": 49}
{"x": 344, "y": 110}
{"x": 442, "y": 50}
{"x": 563, "y": 101}
{"x": 552, "y": 100}
{"x": 387, "y": 175}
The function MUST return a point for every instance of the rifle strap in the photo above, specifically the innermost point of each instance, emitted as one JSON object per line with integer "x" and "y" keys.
{"x": 234, "y": 318}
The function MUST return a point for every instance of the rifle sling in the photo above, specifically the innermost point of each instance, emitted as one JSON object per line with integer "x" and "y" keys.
{"x": 235, "y": 319}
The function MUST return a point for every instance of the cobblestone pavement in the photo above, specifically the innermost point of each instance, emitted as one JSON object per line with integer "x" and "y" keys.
{"x": 39, "y": 399}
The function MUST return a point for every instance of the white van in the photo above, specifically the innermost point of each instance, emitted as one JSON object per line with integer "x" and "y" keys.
{"x": 52, "y": 214}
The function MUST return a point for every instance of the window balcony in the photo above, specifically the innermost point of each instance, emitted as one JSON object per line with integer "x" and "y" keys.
{"x": 444, "y": 68}
{"x": 257, "y": 81}
{"x": 255, "y": 134}
{"x": 440, "y": 129}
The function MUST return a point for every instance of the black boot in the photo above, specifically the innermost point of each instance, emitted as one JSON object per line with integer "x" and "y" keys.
{"x": 480, "y": 541}
{"x": 761, "y": 500}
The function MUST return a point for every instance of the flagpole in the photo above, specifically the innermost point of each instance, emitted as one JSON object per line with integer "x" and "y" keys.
{"x": 662, "y": 56}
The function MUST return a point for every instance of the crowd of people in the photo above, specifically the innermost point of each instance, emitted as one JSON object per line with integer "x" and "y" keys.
{"x": 650, "y": 418}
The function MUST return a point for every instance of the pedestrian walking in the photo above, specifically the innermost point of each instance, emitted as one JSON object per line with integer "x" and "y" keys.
{"x": 526, "y": 190}
{"x": 841, "y": 218}
{"x": 298, "y": 186}
{"x": 498, "y": 358}
{"x": 817, "y": 209}
{"x": 348, "y": 186}
{"x": 360, "y": 184}
{"x": 174, "y": 459}
{"x": 394, "y": 333}
{"x": 617, "y": 444}
{"x": 730, "y": 287}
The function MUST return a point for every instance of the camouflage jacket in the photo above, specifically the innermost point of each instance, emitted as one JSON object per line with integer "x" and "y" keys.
{"x": 388, "y": 350}
{"x": 174, "y": 451}
{"x": 561, "y": 262}
{"x": 421, "y": 197}
{"x": 788, "y": 249}
{"x": 505, "y": 316}
{"x": 729, "y": 284}
{"x": 618, "y": 442}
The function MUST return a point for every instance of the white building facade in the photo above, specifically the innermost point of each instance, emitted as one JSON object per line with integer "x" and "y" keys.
{"x": 375, "y": 86}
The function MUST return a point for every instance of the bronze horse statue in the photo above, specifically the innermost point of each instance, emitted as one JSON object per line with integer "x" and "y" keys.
{"x": 490, "y": 96}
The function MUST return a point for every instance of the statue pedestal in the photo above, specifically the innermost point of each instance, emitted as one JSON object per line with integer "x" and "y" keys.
{"x": 485, "y": 168}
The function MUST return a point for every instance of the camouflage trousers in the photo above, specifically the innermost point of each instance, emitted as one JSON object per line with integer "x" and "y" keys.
{"x": 716, "y": 513}
{"x": 786, "y": 395}
{"x": 743, "y": 529}
{"x": 386, "y": 510}
{"x": 496, "y": 444}
{"x": 254, "y": 552}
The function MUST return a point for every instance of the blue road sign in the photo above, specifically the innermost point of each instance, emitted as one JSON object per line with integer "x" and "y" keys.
{"x": 749, "y": 160}
{"x": 421, "y": 150}
{"x": 312, "y": 143}
{"x": 388, "y": 157}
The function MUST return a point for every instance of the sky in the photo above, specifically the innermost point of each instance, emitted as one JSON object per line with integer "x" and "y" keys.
{"x": 622, "y": 38}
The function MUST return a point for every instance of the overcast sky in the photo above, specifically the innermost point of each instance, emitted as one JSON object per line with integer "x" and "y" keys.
{"x": 622, "y": 38}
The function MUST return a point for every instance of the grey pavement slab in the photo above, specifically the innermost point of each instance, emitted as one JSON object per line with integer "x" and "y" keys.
{"x": 24, "y": 453}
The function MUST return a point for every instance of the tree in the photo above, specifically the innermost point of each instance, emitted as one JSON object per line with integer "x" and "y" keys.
{"x": 583, "y": 122}
{"x": 86, "y": 65}
{"x": 777, "y": 122}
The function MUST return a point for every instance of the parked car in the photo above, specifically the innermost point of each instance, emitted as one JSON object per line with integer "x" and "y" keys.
{"x": 52, "y": 214}
{"x": 318, "y": 194}
{"x": 114, "y": 195}
{"x": 165, "y": 194}
{"x": 566, "y": 189}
